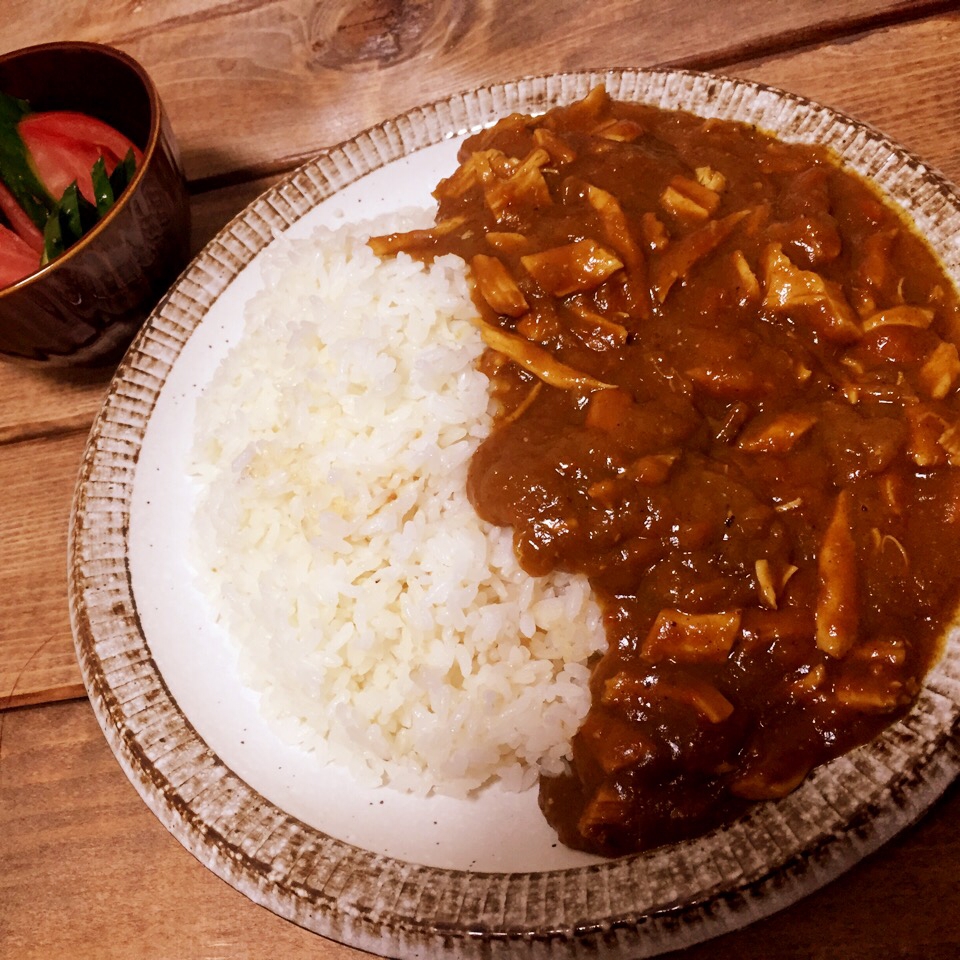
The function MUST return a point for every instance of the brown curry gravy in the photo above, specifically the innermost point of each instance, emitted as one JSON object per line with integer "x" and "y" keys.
{"x": 727, "y": 373}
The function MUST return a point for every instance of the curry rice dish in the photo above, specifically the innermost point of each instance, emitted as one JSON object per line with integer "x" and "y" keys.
{"x": 727, "y": 375}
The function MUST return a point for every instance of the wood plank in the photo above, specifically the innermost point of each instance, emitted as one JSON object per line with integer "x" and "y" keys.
{"x": 46, "y": 403}
{"x": 37, "y": 660}
{"x": 905, "y": 80}
{"x": 255, "y": 86}
{"x": 90, "y": 873}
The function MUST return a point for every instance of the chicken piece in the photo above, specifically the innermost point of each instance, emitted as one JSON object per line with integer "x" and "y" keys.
{"x": 747, "y": 285}
{"x": 614, "y": 742}
{"x": 541, "y": 324}
{"x": 604, "y": 808}
{"x": 647, "y": 471}
{"x": 688, "y": 199}
{"x": 762, "y": 627}
{"x": 616, "y": 229}
{"x": 653, "y": 469}
{"x": 641, "y": 428}
{"x": 594, "y": 330}
{"x": 705, "y": 698}
{"x": 776, "y": 434}
{"x": 653, "y": 232}
{"x": 572, "y": 268}
{"x": 932, "y": 441}
{"x": 507, "y": 241}
{"x": 810, "y": 239}
{"x": 873, "y": 256}
{"x": 560, "y": 151}
{"x": 890, "y": 651}
{"x": 692, "y": 637}
{"x": 507, "y": 199}
{"x": 610, "y": 410}
{"x": 788, "y": 289}
{"x": 924, "y": 431}
{"x": 538, "y": 361}
{"x": 875, "y": 678}
{"x": 949, "y": 441}
{"x": 939, "y": 373}
{"x": 624, "y": 689}
{"x": 769, "y": 784}
{"x": 391, "y": 243}
{"x": 771, "y": 583}
{"x": 482, "y": 167}
{"x": 870, "y": 694}
{"x": 711, "y": 179}
{"x": 902, "y": 316}
{"x": 837, "y": 609}
{"x": 728, "y": 378}
{"x": 583, "y": 113}
{"x": 497, "y": 286}
{"x": 623, "y": 131}
{"x": 679, "y": 257}
{"x": 618, "y": 234}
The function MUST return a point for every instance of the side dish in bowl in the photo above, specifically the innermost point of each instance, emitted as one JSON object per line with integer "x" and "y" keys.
{"x": 94, "y": 211}
{"x": 61, "y": 172}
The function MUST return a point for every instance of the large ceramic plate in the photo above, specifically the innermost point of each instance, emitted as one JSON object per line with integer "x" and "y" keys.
{"x": 428, "y": 877}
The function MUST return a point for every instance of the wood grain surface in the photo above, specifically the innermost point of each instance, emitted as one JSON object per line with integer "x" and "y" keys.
{"x": 88, "y": 872}
{"x": 252, "y": 88}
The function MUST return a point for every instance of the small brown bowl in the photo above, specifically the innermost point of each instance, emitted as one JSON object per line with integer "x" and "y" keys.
{"x": 84, "y": 308}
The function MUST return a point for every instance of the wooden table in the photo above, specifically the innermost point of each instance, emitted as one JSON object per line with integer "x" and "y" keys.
{"x": 252, "y": 88}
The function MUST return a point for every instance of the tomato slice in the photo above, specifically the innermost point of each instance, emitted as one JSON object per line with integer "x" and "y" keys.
{"x": 59, "y": 160}
{"x": 22, "y": 225}
{"x": 62, "y": 148}
{"x": 80, "y": 127}
{"x": 17, "y": 260}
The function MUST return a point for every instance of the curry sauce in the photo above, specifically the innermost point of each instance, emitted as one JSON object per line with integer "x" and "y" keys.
{"x": 727, "y": 381}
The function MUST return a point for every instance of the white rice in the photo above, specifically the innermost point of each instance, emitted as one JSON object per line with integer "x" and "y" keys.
{"x": 383, "y": 623}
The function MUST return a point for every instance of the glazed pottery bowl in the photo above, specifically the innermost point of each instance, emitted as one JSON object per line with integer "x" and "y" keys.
{"x": 84, "y": 307}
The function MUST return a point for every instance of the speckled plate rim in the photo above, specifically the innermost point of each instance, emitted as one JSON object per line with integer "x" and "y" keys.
{"x": 638, "y": 906}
